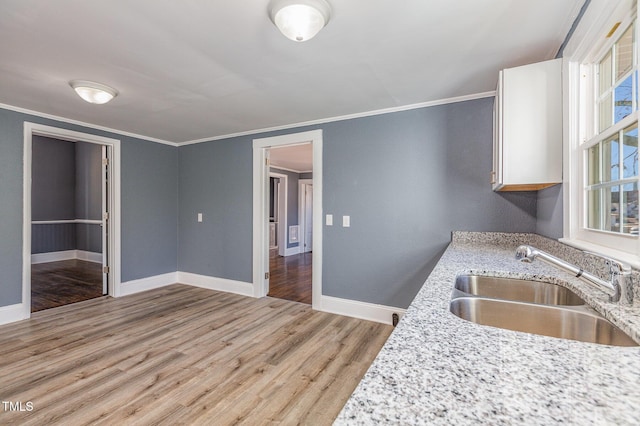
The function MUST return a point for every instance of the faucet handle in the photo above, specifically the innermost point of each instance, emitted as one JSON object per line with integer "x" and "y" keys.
{"x": 616, "y": 267}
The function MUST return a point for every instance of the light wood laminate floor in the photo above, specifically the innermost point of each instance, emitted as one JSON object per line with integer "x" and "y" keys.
{"x": 183, "y": 355}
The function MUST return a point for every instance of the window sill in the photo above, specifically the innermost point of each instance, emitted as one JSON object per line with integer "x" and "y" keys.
{"x": 622, "y": 256}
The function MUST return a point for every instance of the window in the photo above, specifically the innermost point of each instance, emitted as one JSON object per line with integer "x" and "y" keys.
{"x": 612, "y": 154}
{"x": 602, "y": 98}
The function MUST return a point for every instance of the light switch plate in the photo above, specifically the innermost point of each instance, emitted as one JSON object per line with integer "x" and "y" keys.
{"x": 346, "y": 221}
{"x": 329, "y": 220}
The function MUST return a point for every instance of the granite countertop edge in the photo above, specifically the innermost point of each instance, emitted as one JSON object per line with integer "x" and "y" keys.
{"x": 436, "y": 368}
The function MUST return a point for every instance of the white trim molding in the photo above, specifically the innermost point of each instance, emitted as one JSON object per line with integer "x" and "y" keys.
{"x": 283, "y": 206}
{"x": 114, "y": 233}
{"x": 13, "y": 313}
{"x": 581, "y": 53}
{"x": 57, "y": 256}
{"x": 148, "y": 283}
{"x": 66, "y": 221}
{"x": 218, "y": 284}
{"x": 260, "y": 207}
{"x": 84, "y": 124}
{"x": 362, "y": 310}
{"x": 290, "y": 251}
{"x": 294, "y": 126}
{"x": 302, "y": 233}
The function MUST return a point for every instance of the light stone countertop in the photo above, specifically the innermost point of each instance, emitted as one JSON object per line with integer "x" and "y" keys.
{"x": 438, "y": 369}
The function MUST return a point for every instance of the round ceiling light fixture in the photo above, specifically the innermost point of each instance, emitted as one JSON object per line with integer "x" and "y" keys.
{"x": 300, "y": 20}
{"x": 93, "y": 92}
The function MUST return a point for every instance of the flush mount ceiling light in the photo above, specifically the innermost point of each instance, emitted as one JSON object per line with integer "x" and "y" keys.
{"x": 93, "y": 92}
{"x": 300, "y": 20}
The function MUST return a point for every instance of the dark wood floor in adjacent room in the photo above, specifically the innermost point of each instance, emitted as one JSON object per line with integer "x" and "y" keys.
{"x": 184, "y": 355}
{"x": 290, "y": 276}
{"x": 60, "y": 283}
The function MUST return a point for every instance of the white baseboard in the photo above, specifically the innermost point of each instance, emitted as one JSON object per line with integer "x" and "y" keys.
{"x": 203, "y": 281}
{"x": 89, "y": 256}
{"x": 291, "y": 251}
{"x": 213, "y": 283}
{"x": 13, "y": 313}
{"x": 361, "y": 310}
{"x": 149, "y": 283}
{"x": 57, "y": 256}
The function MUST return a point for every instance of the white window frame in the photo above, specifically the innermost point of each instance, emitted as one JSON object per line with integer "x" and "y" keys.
{"x": 587, "y": 46}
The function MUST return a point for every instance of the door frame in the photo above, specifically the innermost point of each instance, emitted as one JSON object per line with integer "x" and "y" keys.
{"x": 283, "y": 222}
{"x": 302, "y": 213}
{"x": 114, "y": 225}
{"x": 261, "y": 199}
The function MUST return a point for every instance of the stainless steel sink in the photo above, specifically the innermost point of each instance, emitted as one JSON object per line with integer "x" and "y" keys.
{"x": 576, "y": 323}
{"x": 517, "y": 290}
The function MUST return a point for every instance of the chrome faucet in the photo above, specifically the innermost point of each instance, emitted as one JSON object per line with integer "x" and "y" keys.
{"x": 619, "y": 288}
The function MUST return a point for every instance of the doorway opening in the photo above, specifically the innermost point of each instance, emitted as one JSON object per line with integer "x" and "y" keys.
{"x": 71, "y": 217}
{"x": 273, "y": 266}
{"x": 68, "y": 193}
{"x": 290, "y": 265}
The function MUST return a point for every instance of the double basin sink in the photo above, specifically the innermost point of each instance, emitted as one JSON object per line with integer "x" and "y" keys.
{"x": 532, "y": 307}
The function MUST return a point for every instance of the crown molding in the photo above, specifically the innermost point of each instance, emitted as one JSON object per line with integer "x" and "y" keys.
{"x": 438, "y": 102}
{"x": 257, "y": 131}
{"x": 84, "y": 124}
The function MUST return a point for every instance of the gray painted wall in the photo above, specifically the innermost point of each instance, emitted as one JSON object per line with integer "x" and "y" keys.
{"x": 47, "y": 238}
{"x": 148, "y": 202}
{"x": 549, "y": 215}
{"x": 88, "y": 185}
{"x": 66, "y": 184}
{"x": 406, "y": 179}
{"x": 53, "y": 186}
{"x": 89, "y": 195}
{"x": 215, "y": 179}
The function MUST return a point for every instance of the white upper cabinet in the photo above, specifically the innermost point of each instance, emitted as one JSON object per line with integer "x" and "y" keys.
{"x": 527, "y": 143}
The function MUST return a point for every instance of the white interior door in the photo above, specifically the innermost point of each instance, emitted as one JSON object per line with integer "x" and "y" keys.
{"x": 308, "y": 217}
{"x": 282, "y": 215}
{"x": 265, "y": 218}
{"x": 106, "y": 158}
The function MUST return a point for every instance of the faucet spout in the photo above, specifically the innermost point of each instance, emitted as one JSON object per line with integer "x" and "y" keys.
{"x": 619, "y": 288}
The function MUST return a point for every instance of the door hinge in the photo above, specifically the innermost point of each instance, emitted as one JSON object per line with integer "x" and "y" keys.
{"x": 105, "y": 269}
{"x": 266, "y": 275}
{"x": 105, "y": 161}
{"x": 105, "y": 216}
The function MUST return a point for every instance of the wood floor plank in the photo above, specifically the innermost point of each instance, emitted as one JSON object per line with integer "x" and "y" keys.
{"x": 61, "y": 283}
{"x": 184, "y": 355}
{"x": 290, "y": 277}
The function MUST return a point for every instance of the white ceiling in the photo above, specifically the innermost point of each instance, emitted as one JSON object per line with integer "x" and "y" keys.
{"x": 297, "y": 158}
{"x": 195, "y": 69}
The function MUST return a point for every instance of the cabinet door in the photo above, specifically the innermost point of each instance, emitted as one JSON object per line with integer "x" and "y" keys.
{"x": 496, "y": 173}
{"x": 529, "y": 127}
